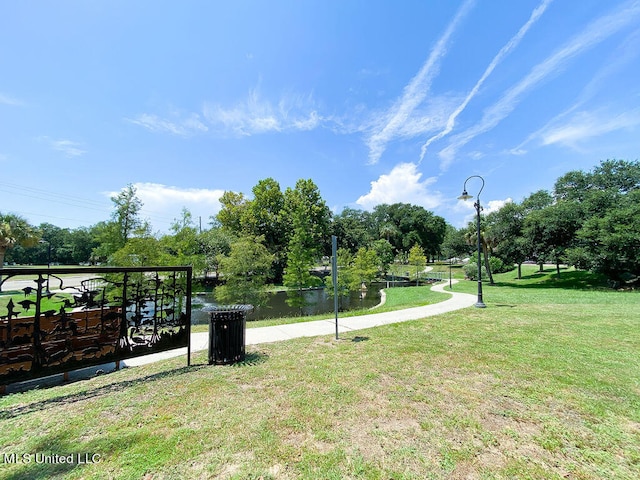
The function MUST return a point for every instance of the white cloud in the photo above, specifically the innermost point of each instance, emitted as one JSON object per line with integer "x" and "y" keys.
{"x": 595, "y": 33}
{"x": 183, "y": 127}
{"x": 309, "y": 123}
{"x": 625, "y": 54}
{"x": 162, "y": 203}
{"x": 517, "y": 151}
{"x": 504, "y": 51}
{"x": 69, "y": 148}
{"x": 427, "y": 118}
{"x": 402, "y": 184}
{"x": 256, "y": 115}
{"x": 584, "y": 126}
{"x": 487, "y": 208}
{"x": 495, "y": 205}
{"x": 394, "y": 122}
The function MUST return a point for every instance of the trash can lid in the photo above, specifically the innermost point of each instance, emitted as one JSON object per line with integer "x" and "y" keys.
{"x": 227, "y": 308}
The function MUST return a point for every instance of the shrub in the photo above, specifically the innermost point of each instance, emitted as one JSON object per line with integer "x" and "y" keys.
{"x": 496, "y": 264}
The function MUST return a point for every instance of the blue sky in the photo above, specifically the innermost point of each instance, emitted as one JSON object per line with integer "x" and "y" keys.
{"x": 376, "y": 101}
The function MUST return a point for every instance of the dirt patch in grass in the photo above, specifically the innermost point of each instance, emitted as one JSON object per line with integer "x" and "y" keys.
{"x": 459, "y": 424}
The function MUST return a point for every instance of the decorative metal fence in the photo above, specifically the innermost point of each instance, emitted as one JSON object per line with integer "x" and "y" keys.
{"x": 60, "y": 319}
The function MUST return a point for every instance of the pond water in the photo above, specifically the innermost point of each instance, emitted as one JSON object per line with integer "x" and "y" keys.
{"x": 318, "y": 299}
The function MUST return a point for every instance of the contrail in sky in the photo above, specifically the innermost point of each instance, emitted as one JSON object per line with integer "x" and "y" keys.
{"x": 593, "y": 34}
{"x": 416, "y": 91}
{"x": 504, "y": 51}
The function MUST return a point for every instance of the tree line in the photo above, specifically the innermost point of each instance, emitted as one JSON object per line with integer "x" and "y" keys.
{"x": 590, "y": 220}
{"x": 274, "y": 236}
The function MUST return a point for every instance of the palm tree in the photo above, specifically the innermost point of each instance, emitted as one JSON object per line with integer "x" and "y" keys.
{"x": 388, "y": 230}
{"x": 15, "y": 230}
{"x": 488, "y": 244}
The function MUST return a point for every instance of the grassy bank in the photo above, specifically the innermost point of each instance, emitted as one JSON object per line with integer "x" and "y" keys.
{"x": 544, "y": 383}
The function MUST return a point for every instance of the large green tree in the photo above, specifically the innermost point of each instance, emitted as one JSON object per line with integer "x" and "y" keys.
{"x": 552, "y": 231}
{"x": 364, "y": 267}
{"x": 607, "y": 200}
{"x": 305, "y": 204}
{"x": 507, "y": 228}
{"x": 384, "y": 254}
{"x": 300, "y": 260}
{"x": 62, "y": 246}
{"x": 404, "y": 225}
{"x": 215, "y": 243}
{"x": 264, "y": 216}
{"x": 355, "y": 272}
{"x": 183, "y": 246}
{"x": 142, "y": 251}
{"x": 308, "y": 218}
{"x": 454, "y": 244}
{"x": 245, "y": 271}
{"x": 82, "y": 243}
{"x": 231, "y": 216}
{"x": 616, "y": 176}
{"x": 125, "y": 222}
{"x": 610, "y": 244}
{"x": 271, "y": 213}
{"x": 126, "y": 214}
{"x": 344, "y": 260}
{"x": 589, "y": 221}
{"x": 589, "y": 218}
{"x": 56, "y": 245}
{"x": 353, "y": 228}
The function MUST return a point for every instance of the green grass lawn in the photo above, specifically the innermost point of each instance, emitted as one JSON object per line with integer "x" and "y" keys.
{"x": 544, "y": 383}
{"x": 53, "y": 303}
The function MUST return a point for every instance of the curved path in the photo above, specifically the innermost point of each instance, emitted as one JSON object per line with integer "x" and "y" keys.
{"x": 276, "y": 333}
{"x": 346, "y": 324}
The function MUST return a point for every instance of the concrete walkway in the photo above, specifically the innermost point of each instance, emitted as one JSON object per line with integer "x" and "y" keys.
{"x": 258, "y": 335}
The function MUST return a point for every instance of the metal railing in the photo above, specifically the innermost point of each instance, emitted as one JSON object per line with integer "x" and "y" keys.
{"x": 60, "y": 319}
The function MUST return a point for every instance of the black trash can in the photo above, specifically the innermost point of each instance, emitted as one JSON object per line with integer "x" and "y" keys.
{"x": 227, "y": 327}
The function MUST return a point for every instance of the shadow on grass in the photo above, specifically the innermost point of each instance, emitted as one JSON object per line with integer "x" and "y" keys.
{"x": 577, "y": 280}
{"x": 359, "y": 339}
{"x": 251, "y": 359}
{"x": 40, "y": 405}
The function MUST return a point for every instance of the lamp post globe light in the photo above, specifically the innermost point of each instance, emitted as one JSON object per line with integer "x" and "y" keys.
{"x": 465, "y": 196}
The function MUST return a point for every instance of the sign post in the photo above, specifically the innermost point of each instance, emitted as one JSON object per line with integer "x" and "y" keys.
{"x": 334, "y": 276}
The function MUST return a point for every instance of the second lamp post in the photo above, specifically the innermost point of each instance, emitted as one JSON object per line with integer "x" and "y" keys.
{"x": 466, "y": 196}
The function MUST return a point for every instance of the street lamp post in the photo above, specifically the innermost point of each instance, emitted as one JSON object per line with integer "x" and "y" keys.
{"x": 466, "y": 196}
